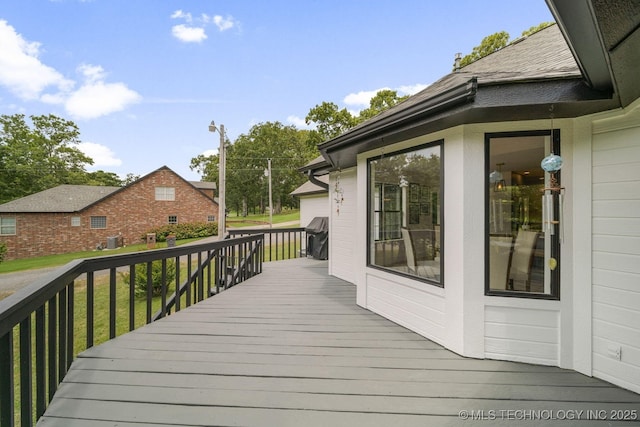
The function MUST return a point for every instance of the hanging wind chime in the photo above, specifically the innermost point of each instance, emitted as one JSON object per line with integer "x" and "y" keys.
{"x": 552, "y": 164}
{"x": 338, "y": 193}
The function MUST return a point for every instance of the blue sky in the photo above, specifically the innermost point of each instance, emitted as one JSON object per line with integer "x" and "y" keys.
{"x": 143, "y": 78}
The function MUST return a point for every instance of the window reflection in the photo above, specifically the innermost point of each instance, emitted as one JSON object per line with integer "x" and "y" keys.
{"x": 522, "y": 258}
{"x": 405, "y": 212}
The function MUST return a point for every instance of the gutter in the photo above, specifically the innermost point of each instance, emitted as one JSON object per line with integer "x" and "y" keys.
{"x": 457, "y": 95}
{"x": 314, "y": 179}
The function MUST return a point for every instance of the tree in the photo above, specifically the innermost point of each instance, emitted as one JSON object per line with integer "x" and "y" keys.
{"x": 130, "y": 178}
{"x": 487, "y": 46}
{"x": 247, "y": 160}
{"x": 382, "y": 101}
{"x": 536, "y": 28}
{"x": 3, "y": 251}
{"x": 38, "y": 158}
{"x": 496, "y": 42}
{"x": 101, "y": 177}
{"x": 330, "y": 121}
{"x": 206, "y": 166}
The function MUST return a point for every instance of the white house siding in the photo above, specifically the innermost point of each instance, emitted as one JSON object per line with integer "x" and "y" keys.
{"x": 313, "y": 206}
{"x": 616, "y": 249}
{"x": 522, "y": 334}
{"x": 342, "y": 220}
{"x": 414, "y": 306}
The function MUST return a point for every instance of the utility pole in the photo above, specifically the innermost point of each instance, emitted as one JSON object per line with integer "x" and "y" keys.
{"x": 222, "y": 164}
{"x": 270, "y": 196}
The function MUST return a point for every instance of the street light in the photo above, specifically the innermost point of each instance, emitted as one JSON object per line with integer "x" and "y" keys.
{"x": 222, "y": 213}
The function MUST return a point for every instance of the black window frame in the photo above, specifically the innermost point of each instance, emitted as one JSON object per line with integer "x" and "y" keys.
{"x": 441, "y": 283}
{"x": 555, "y": 238}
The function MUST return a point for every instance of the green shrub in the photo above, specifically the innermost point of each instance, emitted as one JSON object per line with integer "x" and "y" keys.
{"x": 156, "y": 277}
{"x": 3, "y": 251}
{"x": 183, "y": 231}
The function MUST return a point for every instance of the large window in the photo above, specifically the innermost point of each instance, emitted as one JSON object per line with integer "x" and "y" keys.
{"x": 7, "y": 226}
{"x": 405, "y": 212}
{"x": 523, "y": 233}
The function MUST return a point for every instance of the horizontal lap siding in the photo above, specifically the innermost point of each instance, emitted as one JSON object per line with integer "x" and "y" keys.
{"x": 313, "y": 206}
{"x": 523, "y": 335}
{"x": 616, "y": 256}
{"x": 343, "y": 227}
{"x": 415, "y": 309}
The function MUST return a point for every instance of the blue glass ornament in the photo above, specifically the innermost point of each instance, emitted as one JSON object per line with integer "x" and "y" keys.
{"x": 551, "y": 163}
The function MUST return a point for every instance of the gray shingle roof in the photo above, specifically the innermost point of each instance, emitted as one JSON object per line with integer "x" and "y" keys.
{"x": 311, "y": 188}
{"x": 203, "y": 185}
{"x": 543, "y": 55}
{"x": 64, "y": 198}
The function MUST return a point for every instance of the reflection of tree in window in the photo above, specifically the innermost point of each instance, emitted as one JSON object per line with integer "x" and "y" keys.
{"x": 405, "y": 203}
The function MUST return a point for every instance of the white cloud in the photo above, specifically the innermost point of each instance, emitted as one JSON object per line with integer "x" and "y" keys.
{"x": 179, "y": 14}
{"x": 223, "y": 24}
{"x": 211, "y": 152}
{"x": 188, "y": 34}
{"x": 21, "y": 71}
{"x": 412, "y": 89}
{"x": 362, "y": 97}
{"x": 24, "y": 75}
{"x": 299, "y": 123}
{"x": 101, "y": 155}
{"x": 99, "y": 99}
{"x": 96, "y": 98}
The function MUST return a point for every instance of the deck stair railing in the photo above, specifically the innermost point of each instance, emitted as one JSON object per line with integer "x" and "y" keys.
{"x": 279, "y": 243}
{"x": 45, "y": 317}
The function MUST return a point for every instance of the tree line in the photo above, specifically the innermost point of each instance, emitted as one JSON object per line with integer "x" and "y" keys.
{"x": 46, "y": 154}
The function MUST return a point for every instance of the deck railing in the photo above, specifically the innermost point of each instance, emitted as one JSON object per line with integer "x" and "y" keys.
{"x": 279, "y": 243}
{"x": 45, "y": 317}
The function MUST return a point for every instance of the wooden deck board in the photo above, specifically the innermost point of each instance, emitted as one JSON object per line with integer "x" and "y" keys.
{"x": 290, "y": 347}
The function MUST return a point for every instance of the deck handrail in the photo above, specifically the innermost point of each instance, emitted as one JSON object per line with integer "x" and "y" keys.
{"x": 280, "y": 243}
{"x": 44, "y": 312}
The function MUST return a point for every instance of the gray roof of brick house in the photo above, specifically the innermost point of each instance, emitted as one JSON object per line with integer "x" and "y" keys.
{"x": 203, "y": 185}
{"x": 64, "y": 198}
{"x": 309, "y": 188}
{"x": 518, "y": 82}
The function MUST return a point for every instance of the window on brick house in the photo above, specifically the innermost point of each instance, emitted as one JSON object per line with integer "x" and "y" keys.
{"x": 173, "y": 219}
{"x": 211, "y": 218}
{"x": 7, "y": 226}
{"x": 165, "y": 193}
{"x": 75, "y": 221}
{"x": 98, "y": 222}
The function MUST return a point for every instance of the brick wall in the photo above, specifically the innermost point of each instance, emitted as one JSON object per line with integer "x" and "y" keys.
{"x": 130, "y": 213}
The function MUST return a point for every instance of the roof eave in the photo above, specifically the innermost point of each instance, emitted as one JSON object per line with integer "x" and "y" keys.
{"x": 580, "y": 29}
{"x": 509, "y": 101}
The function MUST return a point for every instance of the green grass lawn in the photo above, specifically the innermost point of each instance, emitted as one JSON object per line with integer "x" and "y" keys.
{"x": 61, "y": 259}
{"x": 101, "y": 317}
{"x": 257, "y": 219}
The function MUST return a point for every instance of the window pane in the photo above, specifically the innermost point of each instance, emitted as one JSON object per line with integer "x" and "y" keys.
{"x": 7, "y": 226}
{"x": 98, "y": 222}
{"x": 522, "y": 257}
{"x": 173, "y": 219}
{"x": 405, "y": 208}
{"x": 165, "y": 193}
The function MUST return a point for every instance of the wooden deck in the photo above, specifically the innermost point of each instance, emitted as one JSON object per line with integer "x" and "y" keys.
{"x": 291, "y": 348}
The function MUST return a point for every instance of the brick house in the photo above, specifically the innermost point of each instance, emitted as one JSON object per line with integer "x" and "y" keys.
{"x": 72, "y": 218}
